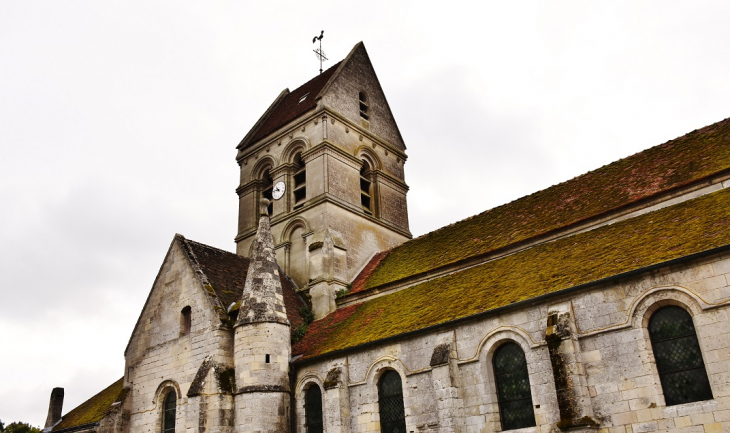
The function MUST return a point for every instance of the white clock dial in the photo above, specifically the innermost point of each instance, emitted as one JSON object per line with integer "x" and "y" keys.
{"x": 278, "y": 191}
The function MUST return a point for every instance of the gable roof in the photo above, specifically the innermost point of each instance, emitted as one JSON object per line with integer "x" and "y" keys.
{"x": 224, "y": 274}
{"x": 288, "y": 107}
{"x": 696, "y": 156}
{"x": 93, "y": 410}
{"x": 654, "y": 239}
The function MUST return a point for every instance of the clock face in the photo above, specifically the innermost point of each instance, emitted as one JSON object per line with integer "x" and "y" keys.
{"x": 278, "y": 191}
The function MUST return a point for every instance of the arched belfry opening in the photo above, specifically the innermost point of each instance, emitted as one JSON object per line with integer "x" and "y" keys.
{"x": 366, "y": 187}
{"x": 268, "y": 190}
{"x": 300, "y": 181}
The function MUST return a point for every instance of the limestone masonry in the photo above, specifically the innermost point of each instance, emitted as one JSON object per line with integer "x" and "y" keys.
{"x": 596, "y": 305}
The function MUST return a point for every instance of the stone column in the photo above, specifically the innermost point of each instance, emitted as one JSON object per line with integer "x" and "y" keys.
{"x": 574, "y": 402}
{"x": 446, "y": 382}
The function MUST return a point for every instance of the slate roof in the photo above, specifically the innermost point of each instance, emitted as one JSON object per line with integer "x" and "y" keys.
{"x": 226, "y": 273}
{"x": 688, "y": 228}
{"x": 698, "y": 155}
{"x": 93, "y": 410}
{"x": 287, "y": 107}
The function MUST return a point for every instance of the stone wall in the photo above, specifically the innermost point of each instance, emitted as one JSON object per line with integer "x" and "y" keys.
{"x": 603, "y": 343}
{"x": 160, "y": 360}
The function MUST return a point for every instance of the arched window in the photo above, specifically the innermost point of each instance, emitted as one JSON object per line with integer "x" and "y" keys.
{"x": 168, "y": 414}
{"x": 300, "y": 181}
{"x": 390, "y": 402}
{"x": 185, "y": 321}
{"x": 313, "y": 409}
{"x": 513, "y": 387}
{"x": 365, "y": 188}
{"x": 678, "y": 356}
{"x": 268, "y": 188}
{"x": 364, "y": 106}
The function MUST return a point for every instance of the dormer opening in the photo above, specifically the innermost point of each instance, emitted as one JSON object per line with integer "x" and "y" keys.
{"x": 303, "y": 98}
{"x": 300, "y": 181}
{"x": 268, "y": 189}
{"x": 364, "y": 106}
{"x": 366, "y": 188}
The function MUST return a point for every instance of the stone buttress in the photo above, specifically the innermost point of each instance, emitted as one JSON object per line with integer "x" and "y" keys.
{"x": 262, "y": 346}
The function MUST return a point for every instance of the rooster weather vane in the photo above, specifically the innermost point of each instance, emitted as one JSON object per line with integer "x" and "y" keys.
{"x": 319, "y": 52}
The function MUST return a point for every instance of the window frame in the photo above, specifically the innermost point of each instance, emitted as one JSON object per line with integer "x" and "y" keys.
{"x": 391, "y": 399}
{"x": 691, "y": 342}
{"x": 502, "y": 400}
{"x": 307, "y": 413}
{"x": 166, "y": 410}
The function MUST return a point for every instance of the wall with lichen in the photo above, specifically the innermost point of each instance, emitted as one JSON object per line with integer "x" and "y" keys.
{"x": 159, "y": 354}
{"x": 600, "y": 356}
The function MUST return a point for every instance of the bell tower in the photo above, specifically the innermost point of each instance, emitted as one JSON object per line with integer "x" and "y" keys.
{"x": 330, "y": 158}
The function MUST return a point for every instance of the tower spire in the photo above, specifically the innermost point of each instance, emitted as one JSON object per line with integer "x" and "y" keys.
{"x": 263, "y": 298}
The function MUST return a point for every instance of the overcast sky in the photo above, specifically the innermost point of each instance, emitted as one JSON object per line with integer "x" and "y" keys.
{"x": 119, "y": 121}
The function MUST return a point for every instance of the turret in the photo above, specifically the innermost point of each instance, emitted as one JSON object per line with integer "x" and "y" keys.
{"x": 262, "y": 346}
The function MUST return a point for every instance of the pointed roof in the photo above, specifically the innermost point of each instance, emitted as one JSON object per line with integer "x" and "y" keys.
{"x": 222, "y": 275}
{"x": 263, "y": 297}
{"x": 288, "y": 106}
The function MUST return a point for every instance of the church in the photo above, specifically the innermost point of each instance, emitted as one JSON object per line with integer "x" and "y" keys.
{"x": 596, "y": 305}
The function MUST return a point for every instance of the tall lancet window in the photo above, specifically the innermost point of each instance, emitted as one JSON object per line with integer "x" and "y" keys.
{"x": 390, "y": 402}
{"x": 300, "y": 181}
{"x": 513, "y": 387}
{"x": 678, "y": 356}
{"x": 268, "y": 189}
{"x": 366, "y": 201}
{"x": 313, "y": 409}
{"x": 168, "y": 416}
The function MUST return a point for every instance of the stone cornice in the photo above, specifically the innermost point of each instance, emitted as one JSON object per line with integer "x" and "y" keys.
{"x": 316, "y": 117}
{"x": 326, "y": 198}
{"x": 391, "y": 181}
{"x": 331, "y": 149}
{"x": 249, "y": 187}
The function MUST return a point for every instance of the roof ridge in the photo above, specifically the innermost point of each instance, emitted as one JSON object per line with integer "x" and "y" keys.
{"x": 615, "y": 162}
{"x": 603, "y": 191}
{"x": 211, "y": 247}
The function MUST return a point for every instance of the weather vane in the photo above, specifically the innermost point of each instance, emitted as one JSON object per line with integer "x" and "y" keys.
{"x": 319, "y": 52}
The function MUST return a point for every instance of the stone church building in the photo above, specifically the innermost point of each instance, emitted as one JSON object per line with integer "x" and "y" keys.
{"x": 596, "y": 305}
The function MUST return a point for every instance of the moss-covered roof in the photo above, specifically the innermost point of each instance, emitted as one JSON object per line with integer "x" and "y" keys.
{"x": 93, "y": 409}
{"x": 678, "y": 162}
{"x": 674, "y": 232}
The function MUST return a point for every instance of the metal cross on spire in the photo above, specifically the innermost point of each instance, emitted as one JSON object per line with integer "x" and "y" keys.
{"x": 318, "y": 52}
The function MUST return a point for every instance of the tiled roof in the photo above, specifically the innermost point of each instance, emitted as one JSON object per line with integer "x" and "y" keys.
{"x": 674, "y": 232}
{"x": 358, "y": 284}
{"x": 226, "y": 274}
{"x": 289, "y": 107}
{"x": 695, "y": 156}
{"x": 93, "y": 409}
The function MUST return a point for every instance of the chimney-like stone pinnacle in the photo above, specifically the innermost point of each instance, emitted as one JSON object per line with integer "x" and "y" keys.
{"x": 263, "y": 297}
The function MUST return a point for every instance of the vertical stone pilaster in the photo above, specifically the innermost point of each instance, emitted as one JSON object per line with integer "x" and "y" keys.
{"x": 574, "y": 401}
{"x": 446, "y": 381}
{"x": 337, "y": 402}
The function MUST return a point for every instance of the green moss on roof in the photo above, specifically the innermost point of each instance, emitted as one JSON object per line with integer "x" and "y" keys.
{"x": 93, "y": 409}
{"x": 694, "y": 156}
{"x": 670, "y": 233}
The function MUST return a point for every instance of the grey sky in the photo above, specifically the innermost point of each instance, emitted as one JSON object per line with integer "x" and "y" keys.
{"x": 119, "y": 121}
